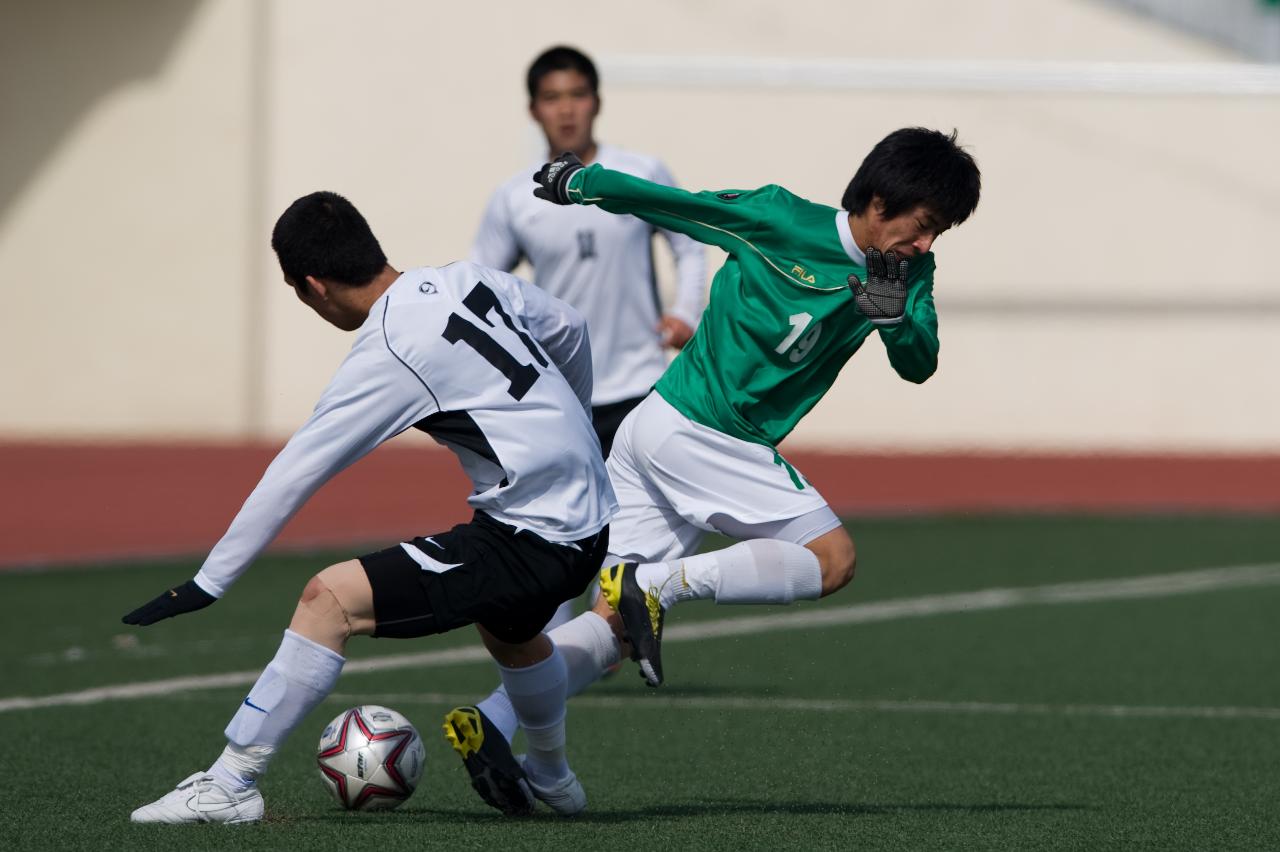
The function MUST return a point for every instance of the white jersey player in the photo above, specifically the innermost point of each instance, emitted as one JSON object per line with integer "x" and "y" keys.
{"x": 497, "y": 371}
{"x": 600, "y": 264}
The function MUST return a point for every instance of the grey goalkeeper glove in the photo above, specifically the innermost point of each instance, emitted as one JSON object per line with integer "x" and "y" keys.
{"x": 553, "y": 178}
{"x": 882, "y": 298}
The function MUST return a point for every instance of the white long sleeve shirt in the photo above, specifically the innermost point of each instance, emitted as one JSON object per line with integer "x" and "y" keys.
{"x": 492, "y": 368}
{"x": 601, "y": 264}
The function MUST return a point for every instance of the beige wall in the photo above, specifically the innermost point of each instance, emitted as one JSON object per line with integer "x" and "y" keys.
{"x": 123, "y": 240}
{"x": 1109, "y": 293}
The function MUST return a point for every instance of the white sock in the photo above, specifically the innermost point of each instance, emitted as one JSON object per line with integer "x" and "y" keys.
{"x": 239, "y": 767}
{"x": 760, "y": 571}
{"x": 293, "y": 683}
{"x": 537, "y": 693}
{"x": 589, "y": 649}
{"x": 673, "y": 583}
{"x": 497, "y": 707}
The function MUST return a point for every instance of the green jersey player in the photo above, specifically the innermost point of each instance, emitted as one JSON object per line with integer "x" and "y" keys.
{"x": 804, "y": 286}
{"x": 783, "y": 316}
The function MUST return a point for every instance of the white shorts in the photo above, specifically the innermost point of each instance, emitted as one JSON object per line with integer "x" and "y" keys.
{"x": 676, "y": 480}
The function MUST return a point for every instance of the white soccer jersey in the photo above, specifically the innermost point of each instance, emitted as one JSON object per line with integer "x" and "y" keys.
{"x": 492, "y": 368}
{"x": 601, "y": 264}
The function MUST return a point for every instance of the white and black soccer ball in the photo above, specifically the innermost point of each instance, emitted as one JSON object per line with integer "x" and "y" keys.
{"x": 370, "y": 758}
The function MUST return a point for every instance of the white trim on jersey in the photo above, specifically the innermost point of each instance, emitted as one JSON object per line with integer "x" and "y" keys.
{"x": 856, "y": 254}
{"x": 478, "y": 359}
{"x": 602, "y": 264}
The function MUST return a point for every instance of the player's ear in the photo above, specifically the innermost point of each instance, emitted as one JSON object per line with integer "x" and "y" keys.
{"x": 317, "y": 288}
{"x": 595, "y": 112}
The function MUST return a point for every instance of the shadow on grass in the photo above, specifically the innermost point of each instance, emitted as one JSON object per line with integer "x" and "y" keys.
{"x": 460, "y": 816}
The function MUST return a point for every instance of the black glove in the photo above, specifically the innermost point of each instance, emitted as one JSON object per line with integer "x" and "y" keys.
{"x": 185, "y": 598}
{"x": 553, "y": 178}
{"x": 883, "y": 298}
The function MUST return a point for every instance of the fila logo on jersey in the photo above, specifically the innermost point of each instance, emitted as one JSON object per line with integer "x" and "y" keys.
{"x": 728, "y": 196}
{"x": 427, "y": 288}
{"x": 798, "y": 271}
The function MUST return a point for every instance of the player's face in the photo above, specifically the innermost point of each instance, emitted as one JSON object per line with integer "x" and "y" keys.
{"x": 565, "y": 107}
{"x": 908, "y": 234}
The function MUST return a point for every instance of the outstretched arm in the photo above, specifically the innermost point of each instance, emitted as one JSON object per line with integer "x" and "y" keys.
{"x": 691, "y": 271}
{"x": 371, "y": 398}
{"x": 729, "y": 219}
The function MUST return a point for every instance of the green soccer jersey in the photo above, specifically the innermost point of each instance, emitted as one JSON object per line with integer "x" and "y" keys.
{"x": 781, "y": 321}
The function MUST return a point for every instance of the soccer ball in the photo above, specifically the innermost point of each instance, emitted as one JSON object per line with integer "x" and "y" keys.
{"x": 370, "y": 758}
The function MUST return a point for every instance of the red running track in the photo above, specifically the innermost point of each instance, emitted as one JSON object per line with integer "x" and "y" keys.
{"x": 62, "y": 503}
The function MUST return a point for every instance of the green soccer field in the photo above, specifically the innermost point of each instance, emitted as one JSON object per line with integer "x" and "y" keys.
{"x": 985, "y": 683}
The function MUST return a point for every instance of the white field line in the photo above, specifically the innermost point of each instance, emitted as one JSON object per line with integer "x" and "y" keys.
{"x": 649, "y": 701}
{"x": 1153, "y": 586}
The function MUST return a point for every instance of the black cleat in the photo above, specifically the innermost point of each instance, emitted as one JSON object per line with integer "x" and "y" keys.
{"x": 495, "y": 774}
{"x": 641, "y": 615}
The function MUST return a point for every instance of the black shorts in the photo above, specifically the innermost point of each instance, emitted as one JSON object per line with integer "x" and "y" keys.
{"x": 606, "y": 419}
{"x": 483, "y": 572}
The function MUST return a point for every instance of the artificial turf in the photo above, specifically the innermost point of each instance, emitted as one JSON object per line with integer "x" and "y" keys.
{"x": 1112, "y": 723}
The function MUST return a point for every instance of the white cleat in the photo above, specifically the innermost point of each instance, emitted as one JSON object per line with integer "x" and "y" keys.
{"x": 565, "y": 796}
{"x": 202, "y": 798}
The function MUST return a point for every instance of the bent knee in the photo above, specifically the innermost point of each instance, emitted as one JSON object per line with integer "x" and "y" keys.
{"x": 336, "y": 602}
{"x": 838, "y": 567}
{"x": 313, "y": 591}
{"x": 318, "y": 606}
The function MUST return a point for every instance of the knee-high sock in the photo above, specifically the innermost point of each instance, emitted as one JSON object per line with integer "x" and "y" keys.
{"x": 537, "y": 693}
{"x": 761, "y": 571}
{"x": 589, "y": 649}
{"x": 293, "y": 683}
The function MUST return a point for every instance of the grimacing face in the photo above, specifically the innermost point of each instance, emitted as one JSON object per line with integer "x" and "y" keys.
{"x": 908, "y": 234}
{"x": 566, "y": 108}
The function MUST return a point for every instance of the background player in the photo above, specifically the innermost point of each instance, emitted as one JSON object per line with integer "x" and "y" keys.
{"x": 500, "y": 373}
{"x": 600, "y": 264}
{"x": 803, "y": 287}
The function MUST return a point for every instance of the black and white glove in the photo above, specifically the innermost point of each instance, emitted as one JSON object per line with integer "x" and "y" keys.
{"x": 882, "y": 298}
{"x": 180, "y": 599}
{"x": 553, "y": 178}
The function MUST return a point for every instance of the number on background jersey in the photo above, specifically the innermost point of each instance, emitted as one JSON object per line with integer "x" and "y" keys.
{"x": 480, "y": 301}
{"x": 799, "y": 322}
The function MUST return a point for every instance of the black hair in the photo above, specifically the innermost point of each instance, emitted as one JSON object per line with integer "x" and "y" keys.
{"x": 561, "y": 58}
{"x": 916, "y": 166}
{"x": 324, "y": 235}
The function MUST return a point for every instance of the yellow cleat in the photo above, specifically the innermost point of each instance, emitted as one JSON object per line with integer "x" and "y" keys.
{"x": 495, "y": 774}
{"x": 642, "y": 617}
